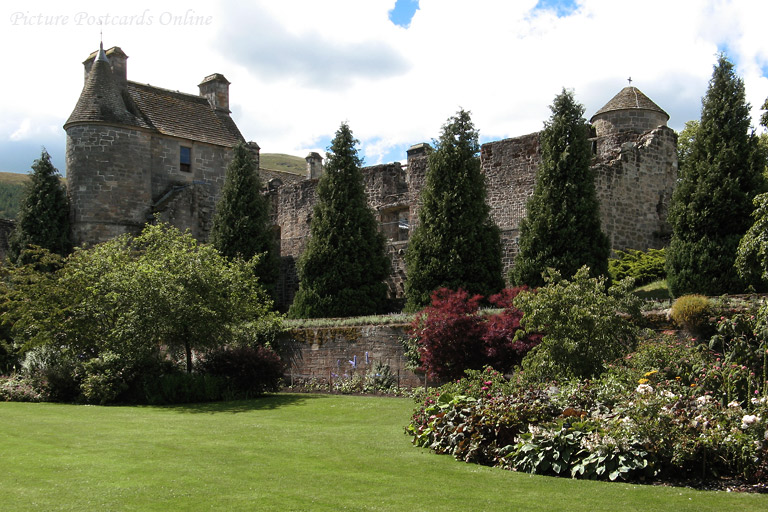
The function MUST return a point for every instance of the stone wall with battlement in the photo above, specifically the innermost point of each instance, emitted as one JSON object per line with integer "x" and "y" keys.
{"x": 634, "y": 183}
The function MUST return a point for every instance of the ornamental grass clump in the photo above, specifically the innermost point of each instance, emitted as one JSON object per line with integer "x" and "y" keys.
{"x": 692, "y": 312}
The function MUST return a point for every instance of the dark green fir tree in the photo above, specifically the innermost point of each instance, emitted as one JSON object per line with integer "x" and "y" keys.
{"x": 241, "y": 224}
{"x": 456, "y": 244}
{"x": 43, "y": 218}
{"x": 343, "y": 269}
{"x": 562, "y": 226}
{"x": 712, "y": 204}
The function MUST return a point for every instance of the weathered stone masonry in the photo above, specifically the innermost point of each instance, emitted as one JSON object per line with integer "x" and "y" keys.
{"x": 135, "y": 151}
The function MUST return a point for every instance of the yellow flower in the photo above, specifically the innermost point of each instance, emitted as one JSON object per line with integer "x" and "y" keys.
{"x": 651, "y": 373}
{"x": 643, "y": 381}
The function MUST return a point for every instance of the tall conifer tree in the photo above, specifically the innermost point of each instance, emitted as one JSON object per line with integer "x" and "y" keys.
{"x": 241, "y": 224}
{"x": 43, "y": 218}
{"x": 712, "y": 204}
{"x": 562, "y": 226}
{"x": 344, "y": 266}
{"x": 456, "y": 244}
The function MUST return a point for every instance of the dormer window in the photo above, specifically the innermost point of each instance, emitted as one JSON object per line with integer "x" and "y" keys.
{"x": 185, "y": 159}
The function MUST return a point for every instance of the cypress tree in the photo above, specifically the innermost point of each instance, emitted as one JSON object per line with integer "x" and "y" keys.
{"x": 712, "y": 204}
{"x": 344, "y": 266}
{"x": 43, "y": 218}
{"x": 562, "y": 226}
{"x": 456, "y": 244}
{"x": 241, "y": 224}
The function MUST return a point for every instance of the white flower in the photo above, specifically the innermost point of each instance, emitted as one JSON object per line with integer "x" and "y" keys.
{"x": 703, "y": 399}
{"x": 668, "y": 394}
{"x": 760, "y": 400}
{"x": 748, "y": 420}
{"x": 734, "y": 405}
{"x": 644, "y": 389}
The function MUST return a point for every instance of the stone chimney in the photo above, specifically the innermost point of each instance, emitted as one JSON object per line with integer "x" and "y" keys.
{"x": 118, "y": 61}
{"x": 216, "y": 89}
{"x": 418, "y": 150}
{"x": 314, "y": 165}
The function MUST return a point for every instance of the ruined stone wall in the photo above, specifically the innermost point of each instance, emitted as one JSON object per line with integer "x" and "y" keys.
{"x": 335, "y": 352}
{"x": 108, "y": 178}
{"x": 634, "y": 184}
{"x": 417, "y": 176}
{"x": 510, "y": 167}
{"x": 615, "y": 128}
{"x": 387, "y": 191}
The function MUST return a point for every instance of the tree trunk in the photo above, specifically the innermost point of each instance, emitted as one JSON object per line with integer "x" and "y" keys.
{"x": 188, "y": 350}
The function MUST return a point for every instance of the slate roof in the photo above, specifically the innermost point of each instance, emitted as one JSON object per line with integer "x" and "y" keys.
{"x": 630, "y": 98}
{"x": 103, "y": 100}
{"x": 184, "y": 115}
{"x": 172, "y": 113}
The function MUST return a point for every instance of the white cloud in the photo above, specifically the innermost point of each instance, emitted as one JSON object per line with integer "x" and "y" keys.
{"x": 300, "y": 68}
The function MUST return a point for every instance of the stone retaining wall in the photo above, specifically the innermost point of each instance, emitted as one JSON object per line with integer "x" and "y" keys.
{"x": 331, "y": 353}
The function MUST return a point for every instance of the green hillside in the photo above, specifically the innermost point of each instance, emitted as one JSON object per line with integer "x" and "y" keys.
{"x": 284, "y": 163}
{"x": 11, "y": 190}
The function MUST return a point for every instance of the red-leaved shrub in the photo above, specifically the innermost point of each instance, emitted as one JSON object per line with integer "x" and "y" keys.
{"x": 452, "y": 335}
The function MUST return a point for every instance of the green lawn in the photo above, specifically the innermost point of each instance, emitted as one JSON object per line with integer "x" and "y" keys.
{"x": 284, "y": 452}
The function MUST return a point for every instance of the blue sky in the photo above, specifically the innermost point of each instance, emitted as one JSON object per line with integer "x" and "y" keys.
{"x": 395, "y": 70}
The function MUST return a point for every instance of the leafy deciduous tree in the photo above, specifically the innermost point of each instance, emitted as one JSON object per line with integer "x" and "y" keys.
{"x": 712, "y": 203}
{"x": 128, "y": 297}
{"x": 43, "y": 218}
{"x": 451, "y": 335}
{"x": 582, "y": 325}
{"x": 562, "y": 226}
{"x": 344, "y": 265}
{"x": 456, "y": 244}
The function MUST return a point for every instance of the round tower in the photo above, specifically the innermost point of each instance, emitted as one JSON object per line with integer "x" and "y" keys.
{"x": 107, "y": 153}
{"x": 630, "y": 112}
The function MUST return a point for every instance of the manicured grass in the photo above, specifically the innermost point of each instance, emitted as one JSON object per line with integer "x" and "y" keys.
{"x": 284, "y": 452}
{"x": 656, "y": 290}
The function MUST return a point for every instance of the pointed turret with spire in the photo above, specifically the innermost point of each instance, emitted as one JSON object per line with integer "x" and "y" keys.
{"x": 101, "y": 99}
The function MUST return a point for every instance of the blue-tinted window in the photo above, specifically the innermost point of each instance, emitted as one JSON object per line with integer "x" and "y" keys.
{"x": 185, "y": 159}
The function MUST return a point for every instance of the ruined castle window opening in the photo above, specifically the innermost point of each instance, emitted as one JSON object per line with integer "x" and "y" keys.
{"x": 185, "y": 159}
{"x": 395, "y": 224}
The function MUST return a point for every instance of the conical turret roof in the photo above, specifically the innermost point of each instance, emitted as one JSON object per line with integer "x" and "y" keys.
{"x": 102, "y": 99}
{"x": 630, "y": 98}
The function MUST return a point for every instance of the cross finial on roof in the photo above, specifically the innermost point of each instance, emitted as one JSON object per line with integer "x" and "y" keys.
{"x": 629, "y": 80}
